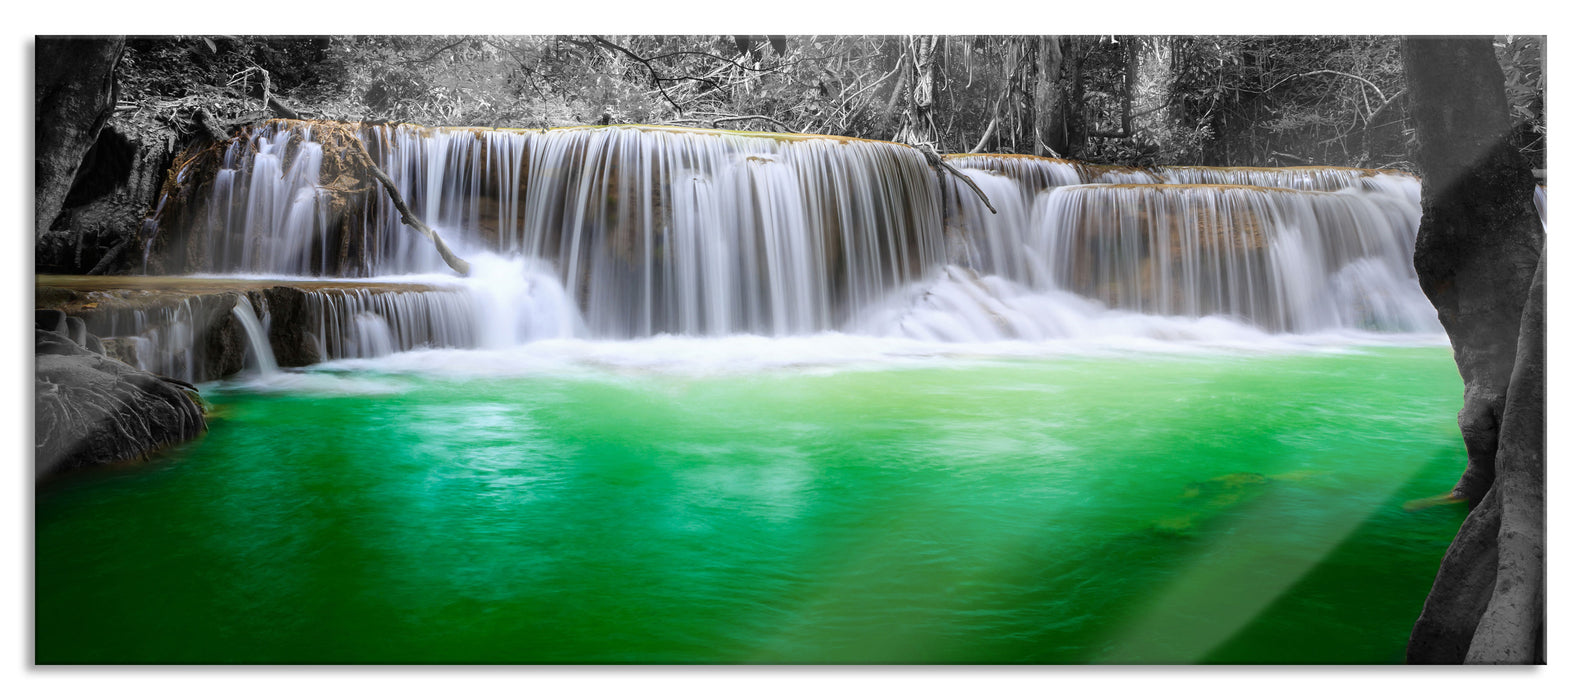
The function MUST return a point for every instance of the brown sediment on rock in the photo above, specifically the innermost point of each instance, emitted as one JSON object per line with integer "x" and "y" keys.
{"x": 1094, "y": 171}
{"x": 210, "y": 285}
{"x": 667, "y": 128}
{"x": 1169, "y": 186}
{"x": 1293, "y": 168}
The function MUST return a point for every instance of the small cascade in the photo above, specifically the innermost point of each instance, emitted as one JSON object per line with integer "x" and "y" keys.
{"x": 1283, "y": 260}
{"x": 363, "y": 322}
{"x": 1037, "y": 174}
{"x": 158, "y": 334}
{"x": 991, "y": 243}
{"x": 1033, "y": 174}
{"x": 1317, "y": 179}
{"x": 257, "y": 339}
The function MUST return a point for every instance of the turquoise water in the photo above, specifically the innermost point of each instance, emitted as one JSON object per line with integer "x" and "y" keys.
{"x": 1134, "y": 507}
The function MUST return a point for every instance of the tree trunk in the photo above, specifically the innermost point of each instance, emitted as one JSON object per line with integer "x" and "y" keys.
{"x": 919, "y": 125}
{"x": 74, "y": 95}
{"x": 1478, "y": 247}
{"x": 1077, "y": 125}
{"x": 1049, "y": 110}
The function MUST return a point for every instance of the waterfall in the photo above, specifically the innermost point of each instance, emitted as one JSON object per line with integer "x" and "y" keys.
{"x": 1332, "y": 249}
{"x": 257, "y": 340}
{"x": 652, "y": 230}
{"x": 634, "y": 231}
{"x": 1282, "y": 260}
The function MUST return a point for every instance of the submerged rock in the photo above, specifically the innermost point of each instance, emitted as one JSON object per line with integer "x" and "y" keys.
{"x": 91, "y": 410}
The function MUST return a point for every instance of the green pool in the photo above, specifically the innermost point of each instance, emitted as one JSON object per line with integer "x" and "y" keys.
{"x": 1131, "y": 507}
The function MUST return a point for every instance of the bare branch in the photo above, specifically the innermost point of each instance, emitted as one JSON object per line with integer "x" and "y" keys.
{"x": 935, "y": 161}
{"x": 652, "y": 73}
{"x": 436, "y": 54}
{"x": 1369, "y": 83}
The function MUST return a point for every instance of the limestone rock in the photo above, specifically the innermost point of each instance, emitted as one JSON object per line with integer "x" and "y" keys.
{"x": 91, "y": 410}
{"x": 289, "y": 337}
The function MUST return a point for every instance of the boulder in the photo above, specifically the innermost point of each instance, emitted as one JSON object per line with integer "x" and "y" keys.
{"x": 91, "y": 410}
{"x": 289, "y": 338}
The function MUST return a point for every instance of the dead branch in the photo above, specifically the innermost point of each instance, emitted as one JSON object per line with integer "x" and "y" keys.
{"x": 461, "y": 266}
{"x": 938, "y": 163}
{"x": 652, "y": 72}
{"x": 210, "y": 127}
{"x": 715, "y": 121}
{"x": 434, "y": 55}
{"x": 110, "y": 257}
{"x": 1330, "y": 72}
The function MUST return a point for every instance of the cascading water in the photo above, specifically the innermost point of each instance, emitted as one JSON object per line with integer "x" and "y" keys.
{"x": 1284, "y": 261}
{"x": 257, "y": 339}
{"x": 650, "y": 230}
{"x": 631, "y": 232}
{"x": 1334, "y": 254}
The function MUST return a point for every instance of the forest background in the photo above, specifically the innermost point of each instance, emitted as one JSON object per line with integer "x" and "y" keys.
{"x": 1127, "y": 100}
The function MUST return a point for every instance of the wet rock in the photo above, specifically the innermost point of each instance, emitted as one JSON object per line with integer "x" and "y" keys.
{"x": 52, "y": 320}
{"x": 293, "y": 344}
{"x": 122, "y": 349}
{"x": 223, "y": 349}
{"x": 77, "y": 330}
{"x": 91, "y": 410}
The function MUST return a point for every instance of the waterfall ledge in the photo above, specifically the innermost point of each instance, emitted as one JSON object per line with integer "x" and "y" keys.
{"x": 186, "y": 328}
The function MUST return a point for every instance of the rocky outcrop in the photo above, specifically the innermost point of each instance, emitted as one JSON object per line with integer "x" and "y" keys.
{"x": 104, "y": 215}
{"x": 1479, "y": 259}
{"x": 92, "y": 410}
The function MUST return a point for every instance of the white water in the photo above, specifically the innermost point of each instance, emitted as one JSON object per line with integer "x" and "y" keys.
{"x": 662, "y": 237}
{"x": 257, "y": 340}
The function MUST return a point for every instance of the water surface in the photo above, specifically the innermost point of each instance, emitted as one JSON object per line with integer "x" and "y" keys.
{"x": 1139, "y": 507}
